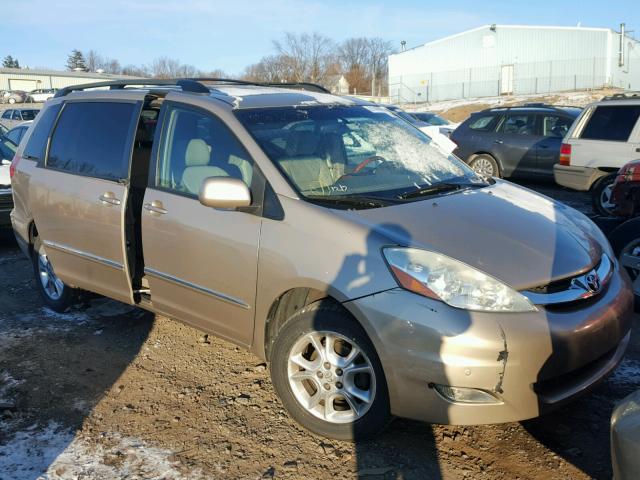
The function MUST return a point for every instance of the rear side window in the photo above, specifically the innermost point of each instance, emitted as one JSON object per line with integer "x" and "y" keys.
{"x": 523, "y": 124}
{"x": 37, "y": 146}
{"x": 93, "y": 139}
{"x": 483, "y": 123}
{"x": 613, "y": 123}
{"x": 7, "y": 114}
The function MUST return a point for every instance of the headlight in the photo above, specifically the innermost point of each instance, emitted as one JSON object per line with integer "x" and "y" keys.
{"x": 437, "y": 276}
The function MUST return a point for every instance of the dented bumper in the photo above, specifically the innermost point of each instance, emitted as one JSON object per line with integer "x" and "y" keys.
{"x": 531, "y": 362}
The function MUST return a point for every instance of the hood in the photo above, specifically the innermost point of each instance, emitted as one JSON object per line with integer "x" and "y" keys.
{"x": 516, "y": 235}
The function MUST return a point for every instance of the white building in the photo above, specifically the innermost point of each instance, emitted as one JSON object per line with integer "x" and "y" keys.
{"x": 28, "y": 80}
{"x": 515, "y": 59}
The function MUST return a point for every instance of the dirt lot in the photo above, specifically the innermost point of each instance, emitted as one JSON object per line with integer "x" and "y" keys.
{"x": 109, "y": 391}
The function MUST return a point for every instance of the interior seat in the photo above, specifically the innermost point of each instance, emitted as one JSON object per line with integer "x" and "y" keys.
{"x": 197, "y": 168}
{"x": 303, "y": 164}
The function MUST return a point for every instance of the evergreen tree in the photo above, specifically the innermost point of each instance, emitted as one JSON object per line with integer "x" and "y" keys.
{"x": 76, "y": 61}
{"x": 10, "y": 62}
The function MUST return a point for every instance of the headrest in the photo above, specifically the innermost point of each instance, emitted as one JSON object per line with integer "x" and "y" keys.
{"x": 197, "y": 154}
{"x": 302, "y": 143}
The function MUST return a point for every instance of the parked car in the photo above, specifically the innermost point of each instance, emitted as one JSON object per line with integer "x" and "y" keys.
{"x": 602, "y": 140}
{"x": 514, "y": 141}
{"x": 445, "y": 126}
{"x": 378, "y": 278}
{"x": 7, "y": 152}
{"x": 625, "y": 438}
{"x": 16, "y": 133}
{"x": 15, "y": 116}
{"x": 433, "y": 132}
{"x": 13, "y": 96}
{"x": 3, "y": 129}
{"x": 41, "y": 95}
{"x": 625, "y": 238}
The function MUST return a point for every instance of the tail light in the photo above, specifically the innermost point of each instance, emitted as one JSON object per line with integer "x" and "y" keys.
{"x": 14, "y": 165}
{"x": 629, "y": 173}
{"x": 565, "y": 154}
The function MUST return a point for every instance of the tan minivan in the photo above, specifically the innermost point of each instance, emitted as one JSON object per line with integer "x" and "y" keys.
{"x": 376, "y": 274}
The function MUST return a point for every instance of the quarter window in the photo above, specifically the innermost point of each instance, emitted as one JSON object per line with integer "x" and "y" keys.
{"x": 555, "y": 126}
{"x": 613, "y": 123}
{"x": 482, "y": 123}
{"x": 92, "y": 139}
{"x": 37, "y": 144}
{"x": 195, "y": 146}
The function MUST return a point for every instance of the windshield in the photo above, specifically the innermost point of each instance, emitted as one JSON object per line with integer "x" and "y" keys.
{"x": 329, "y": 151}
{"x": 29, "y": 114}
{"x": 431, "y": 118}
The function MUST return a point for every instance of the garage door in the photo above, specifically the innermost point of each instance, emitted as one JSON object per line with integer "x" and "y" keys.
{"x": 26, "y": 85}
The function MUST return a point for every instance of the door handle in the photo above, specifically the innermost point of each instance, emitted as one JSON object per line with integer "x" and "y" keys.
{"x": 109, "y": 198}
{"x": 499, "y": 142}
{"x": 544, "y": 146}
{"x": 155, "y": 207}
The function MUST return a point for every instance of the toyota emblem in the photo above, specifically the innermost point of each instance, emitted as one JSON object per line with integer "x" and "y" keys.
{"x": 593, "y": 282}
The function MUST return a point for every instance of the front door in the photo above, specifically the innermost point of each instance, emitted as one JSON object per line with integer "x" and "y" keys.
{"x": 506, "y": 80}
{"x": 200, "y": 262}
{"x": 78, "y": 195}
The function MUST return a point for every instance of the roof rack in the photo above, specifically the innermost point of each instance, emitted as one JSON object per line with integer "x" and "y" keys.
{"x": 623, "y": 96}
{"x": 533, "y": 105}
{"x": 193, "y": 85}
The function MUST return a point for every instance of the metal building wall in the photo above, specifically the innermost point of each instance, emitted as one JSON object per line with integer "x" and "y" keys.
{"x": 50, "y": 79}
{"x": 544, "y": 59}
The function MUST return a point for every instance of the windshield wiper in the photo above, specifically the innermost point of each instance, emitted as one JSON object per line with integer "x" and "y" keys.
{"x": 441, "y": 187}
{"x": 352, "y": 200}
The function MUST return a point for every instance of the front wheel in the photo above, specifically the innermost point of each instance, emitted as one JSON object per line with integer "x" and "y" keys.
{"x": 601, "y": 196}
{"x": 12, "y": 101}
{"x": 56, "y": 294}
{"x": 328, "y": 375}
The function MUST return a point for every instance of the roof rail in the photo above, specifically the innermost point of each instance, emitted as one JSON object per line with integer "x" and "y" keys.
{"x": 623, "y": 96}
{"x": 193, "y": 85}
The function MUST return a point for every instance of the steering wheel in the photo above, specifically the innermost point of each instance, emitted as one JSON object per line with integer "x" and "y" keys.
{"x": 367, "y": 161}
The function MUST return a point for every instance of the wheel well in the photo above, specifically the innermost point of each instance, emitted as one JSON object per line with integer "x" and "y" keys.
{"x": 33, "y": 233}
{"x": 283, "y": 308}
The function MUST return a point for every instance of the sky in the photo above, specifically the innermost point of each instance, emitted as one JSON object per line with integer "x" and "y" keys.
{"x": 232, "y": 34}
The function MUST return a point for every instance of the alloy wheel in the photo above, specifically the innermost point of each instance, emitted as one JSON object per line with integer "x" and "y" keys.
{"x": 483, "y": 167}
{"x": 605, "y": 198}
{"x": 331, "y": 377}
{"x": 630, "y": 260}
{"x": 51, "y": 284}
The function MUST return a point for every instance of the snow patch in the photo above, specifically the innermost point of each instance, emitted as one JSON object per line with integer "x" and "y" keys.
{"x": 53, "y": 452}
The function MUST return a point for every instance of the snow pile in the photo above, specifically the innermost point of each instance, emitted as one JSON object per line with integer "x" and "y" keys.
{"x": 55, "y": 453}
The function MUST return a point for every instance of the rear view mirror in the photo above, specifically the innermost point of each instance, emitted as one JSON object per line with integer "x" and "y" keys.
{"x": 224, "y": 192}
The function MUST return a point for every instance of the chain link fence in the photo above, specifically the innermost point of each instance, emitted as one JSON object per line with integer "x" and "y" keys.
{"x": 509, "y": 79}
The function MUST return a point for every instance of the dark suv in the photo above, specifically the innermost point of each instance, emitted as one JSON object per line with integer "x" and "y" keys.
{"x": 514, "y": 141}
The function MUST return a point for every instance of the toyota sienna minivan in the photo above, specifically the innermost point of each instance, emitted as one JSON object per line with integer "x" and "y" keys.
{"x": 378, "y": 276}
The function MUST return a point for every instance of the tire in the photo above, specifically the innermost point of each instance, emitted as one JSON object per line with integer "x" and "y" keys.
{"x": 12, "y": 101}
{"x": 294, "y": 383}
{"x": 485, "y": 165}
{"x": 601, "y": 196}
{"x": 625, "y": 240}
{"x": 54, "y": 292}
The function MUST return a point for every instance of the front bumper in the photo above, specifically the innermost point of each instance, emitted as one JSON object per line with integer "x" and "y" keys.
{"x": 532, "y": 362}
{"x": 576, "y": 178}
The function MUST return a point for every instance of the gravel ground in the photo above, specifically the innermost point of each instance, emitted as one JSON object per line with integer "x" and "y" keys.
{"x": 110, "y": 391}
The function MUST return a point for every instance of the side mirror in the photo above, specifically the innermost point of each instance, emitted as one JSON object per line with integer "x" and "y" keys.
{"x": 224, "y": 192}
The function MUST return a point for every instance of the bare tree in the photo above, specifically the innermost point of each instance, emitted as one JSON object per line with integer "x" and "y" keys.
{"x": 307, "y": 55}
